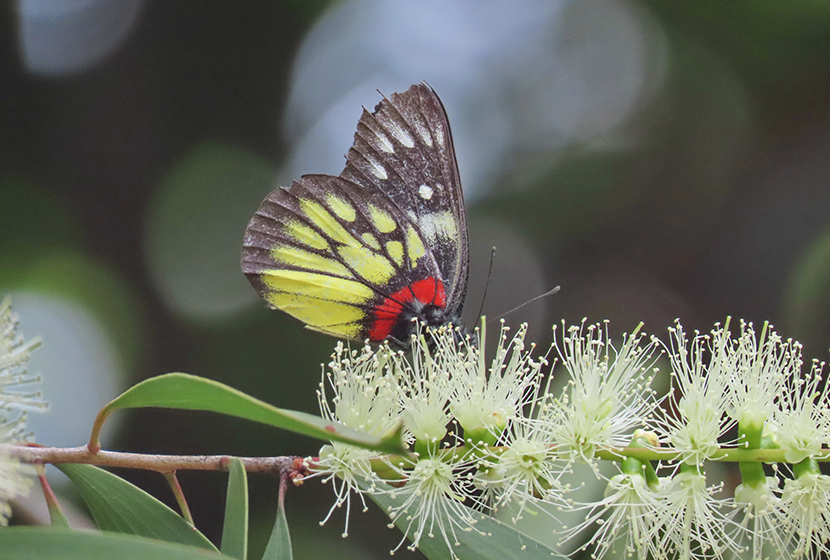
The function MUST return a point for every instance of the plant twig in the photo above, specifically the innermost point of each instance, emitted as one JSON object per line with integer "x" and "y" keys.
{"x": 159, "y": 463}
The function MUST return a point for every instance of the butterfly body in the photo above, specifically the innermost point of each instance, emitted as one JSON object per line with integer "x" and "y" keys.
{"x": 364, "y": 254}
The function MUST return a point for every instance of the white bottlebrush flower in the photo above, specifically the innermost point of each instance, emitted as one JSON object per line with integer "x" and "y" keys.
{"x": 608, "y": 394}
{"x": 485, "y": 397}
{"x": 424, "y": 386}
{"x": 804, "y": 513}
{"x": 445, "y": 378}
{"x": 16, "y": 397}
{"x": 525, "y": 473}
{"x": 16, "y": 392}
{"x": 801, "y": 423}
{"x": 623, "y": 521}
{"x": 364, "y": 387}
{"x": 762, "y": 519}
{"x": 691, "y": 523}
{"x": 759, "y": 369}
{"x": 433, "y": 497}
{"x": 701, "y": 374}
{"x": 363, "y": 397}
{"x": 15, "y": 478}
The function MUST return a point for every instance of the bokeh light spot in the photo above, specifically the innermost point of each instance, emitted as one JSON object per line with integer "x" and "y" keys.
{"x": 60, "y": 37}
{"x": 79, "y": 365}
{"x": 194, "y": 231}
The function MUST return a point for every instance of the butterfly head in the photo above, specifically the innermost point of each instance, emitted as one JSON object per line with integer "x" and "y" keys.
{"x": 420, "y": 316}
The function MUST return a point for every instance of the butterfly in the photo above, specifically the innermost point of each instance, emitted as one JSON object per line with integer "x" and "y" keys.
{"x": 365, "y": 254}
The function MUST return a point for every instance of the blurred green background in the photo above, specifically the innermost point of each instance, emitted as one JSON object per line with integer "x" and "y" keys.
{"x": 655, "y": 159}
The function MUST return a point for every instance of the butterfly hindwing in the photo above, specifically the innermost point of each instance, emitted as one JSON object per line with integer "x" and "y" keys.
{"x": 330, "y": 254}
{"x": 362, "y": 254}
{"x": 404, "y": 149}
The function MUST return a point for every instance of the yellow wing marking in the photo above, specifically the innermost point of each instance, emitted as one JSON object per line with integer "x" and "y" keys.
{"x": 306, "y": 235}
{"x": 374, "y": 267}
{"x": 320, "y": 314}
{"x": 415, "y": 246}
{"x": 371, "y": 241}
{"x": 439, "y": 226}
{"x": 305, "y": 259}
{"x": 395, "y": 249}
{"x": 367, "y": 263}
{"x": 326, "y": 222}
{"x": 349, "y": 330}
{"x": 316, "y": 285}
{"x": 381, "y": 219}
{"x": 341, "y": 207}
{"x": 324, "y": 303}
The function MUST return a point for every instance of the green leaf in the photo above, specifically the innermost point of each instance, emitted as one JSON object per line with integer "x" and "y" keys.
{"x": 180, "y": 390}
{"x": 235, "y": 530}
{"x": 57, "y": 518}
{"x": 279, "y": 545}
{"x": 48, "y": 543}
{"x": 491, "y": 539}
{"x": 121, "y": 507}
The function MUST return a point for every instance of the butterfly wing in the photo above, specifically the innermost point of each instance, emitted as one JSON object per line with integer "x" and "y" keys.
{"x": 404, "y": 149}
{"x": 342, "y": 259}
{"x": 359, "y": 255}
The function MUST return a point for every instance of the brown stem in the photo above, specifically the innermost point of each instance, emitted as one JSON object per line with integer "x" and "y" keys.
{"x": 158, "y": 463}
{"x": 283, "y": 487}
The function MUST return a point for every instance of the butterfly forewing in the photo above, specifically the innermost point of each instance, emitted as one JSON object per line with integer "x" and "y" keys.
{"x": 362, "y": 254}
{"x": 404, "y": 149}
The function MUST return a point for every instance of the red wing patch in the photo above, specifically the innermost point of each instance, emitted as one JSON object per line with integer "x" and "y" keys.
{"x": 428, "y": 291}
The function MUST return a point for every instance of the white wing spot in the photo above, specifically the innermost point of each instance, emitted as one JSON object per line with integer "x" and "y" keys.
{"x": 402, "y": 135}
{"x": 384, "y": 143}
{"x": 424, "y": 134}
{"x": 378, "y": 170}
{"x": 439, "y": 137}
{"x": 425, "y": 191}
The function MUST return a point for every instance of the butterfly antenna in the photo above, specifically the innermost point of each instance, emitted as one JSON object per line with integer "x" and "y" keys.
{"x": 540, "y": 296}
{"x": 487, "y": 284}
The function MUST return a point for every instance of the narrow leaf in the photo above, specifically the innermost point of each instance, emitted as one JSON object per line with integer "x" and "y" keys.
{"x": 279, "y": 545}
{"x": 57, "y": 517}
{"x": 490, "y": 540}
{"x": 180, "y": 390}
{"x": 235, "y": 530}
{"x": 49, "y": 543}
{"x": 121, "y": 507}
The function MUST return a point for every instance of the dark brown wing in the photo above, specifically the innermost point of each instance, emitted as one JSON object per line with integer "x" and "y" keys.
{"x": 404, "y": 149}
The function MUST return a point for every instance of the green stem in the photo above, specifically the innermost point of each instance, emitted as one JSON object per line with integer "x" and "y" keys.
{"x": 173, "y": 481}
{"x": 749, "y": 437}
{"x": 807, "y": 466}
{"x": 55, "y": 511}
